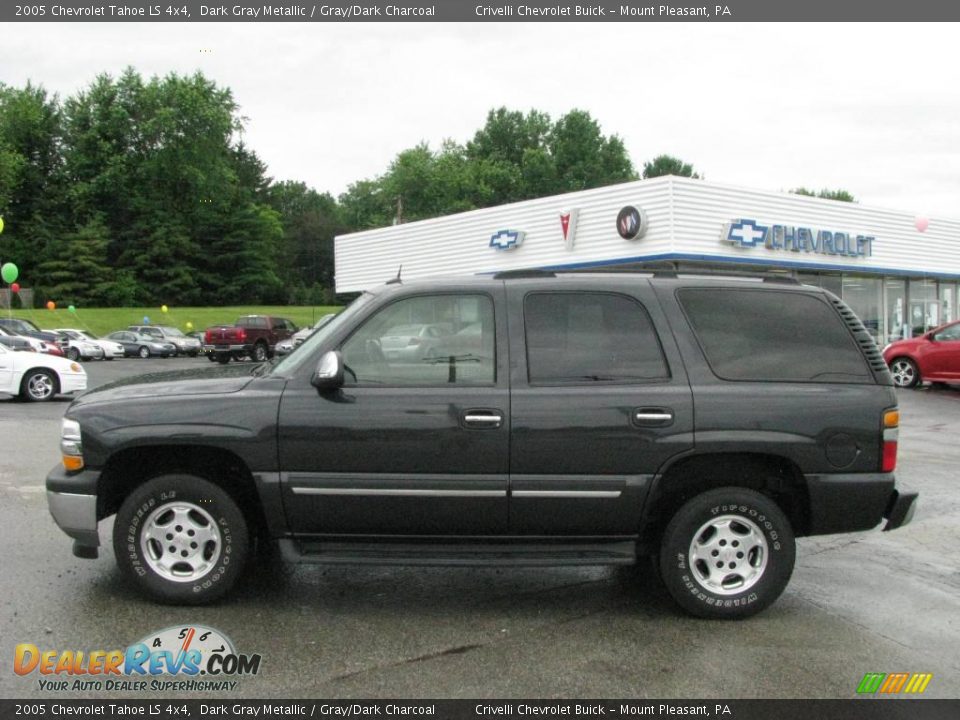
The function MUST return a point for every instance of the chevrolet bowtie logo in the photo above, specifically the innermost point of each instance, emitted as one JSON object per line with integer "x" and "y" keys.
{"x": 746, "y": 233}
{"x": 506, "y": 239}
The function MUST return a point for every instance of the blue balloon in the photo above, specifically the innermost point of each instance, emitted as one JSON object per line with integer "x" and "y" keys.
{"x": 146, "y": 320}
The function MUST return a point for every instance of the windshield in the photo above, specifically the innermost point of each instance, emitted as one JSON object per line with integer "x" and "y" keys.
{"x": 171, "y": 331}
{"x": 292, "y": 362}
{"x": 90, "y": 335}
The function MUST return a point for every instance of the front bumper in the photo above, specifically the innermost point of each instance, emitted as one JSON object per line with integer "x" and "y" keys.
{"x": 857, "y": 501}
{"x": 72, "y": 383}
{"x": 72, "y": 499}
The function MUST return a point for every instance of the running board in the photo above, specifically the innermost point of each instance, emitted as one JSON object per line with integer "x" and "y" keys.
{"x": 515, "y": 554}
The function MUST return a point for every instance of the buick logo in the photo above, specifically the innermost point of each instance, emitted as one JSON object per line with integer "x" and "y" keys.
{"x": 631, "y": 223}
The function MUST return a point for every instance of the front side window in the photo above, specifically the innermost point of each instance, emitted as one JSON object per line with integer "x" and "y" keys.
{"x": 426, "y": 340}
{"x": 772, "y": 335}
{"x": 948, "y": 334}
{"x": 579, "y": 337}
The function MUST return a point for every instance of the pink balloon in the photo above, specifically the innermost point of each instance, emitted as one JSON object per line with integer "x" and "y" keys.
{"x": 921, "y": 223}
{"x": 15, "y": 288}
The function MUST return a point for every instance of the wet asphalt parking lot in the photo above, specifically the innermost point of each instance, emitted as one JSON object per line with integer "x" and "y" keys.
{"x": 870, "y": 602}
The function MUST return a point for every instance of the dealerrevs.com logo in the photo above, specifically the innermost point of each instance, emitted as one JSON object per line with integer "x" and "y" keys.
{"x": 180, "y": 658}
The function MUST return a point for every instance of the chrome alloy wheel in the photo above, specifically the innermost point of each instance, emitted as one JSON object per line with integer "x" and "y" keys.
{"x": 40, "y": 386}
{"x": 180, "y": 542}
{"x": 728, "y": 555}
{"x": 904, "y": 374}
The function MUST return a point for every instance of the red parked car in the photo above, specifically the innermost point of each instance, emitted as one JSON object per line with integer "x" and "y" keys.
{"x": 931, "y": 357}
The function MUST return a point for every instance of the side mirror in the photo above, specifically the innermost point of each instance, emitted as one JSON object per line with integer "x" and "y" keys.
{"x": 329, "y": 372}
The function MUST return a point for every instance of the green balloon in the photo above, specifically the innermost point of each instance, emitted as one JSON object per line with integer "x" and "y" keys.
{"x": 72, "y": 308}
{"x": 9, "y": 272}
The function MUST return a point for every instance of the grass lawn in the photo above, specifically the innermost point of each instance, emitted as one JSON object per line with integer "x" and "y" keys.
{"x": 101, "y": 321}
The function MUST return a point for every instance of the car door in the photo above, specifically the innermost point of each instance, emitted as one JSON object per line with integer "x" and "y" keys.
{"x": 6, "y": 370}
{"x": 941, "y": 355}
{"x": 413, "y": 445}
{"x": 599, "y": 402}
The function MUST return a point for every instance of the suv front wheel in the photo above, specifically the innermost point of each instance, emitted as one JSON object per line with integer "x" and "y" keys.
{"x": 727, "y": 553}
{"x": 182, "y": 539}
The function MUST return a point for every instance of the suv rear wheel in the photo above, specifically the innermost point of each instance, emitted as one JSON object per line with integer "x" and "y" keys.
{"x": 181, "y": 539}
{"x": 727, "y": 553}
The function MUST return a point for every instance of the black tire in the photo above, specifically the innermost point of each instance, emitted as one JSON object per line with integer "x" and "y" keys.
{"x": 73, "y": 354}
{"x": 769, "y": 545}
{"x": 137, "y": 558}
{"x": 223, "y": 358}
{"x": 144, "y": 352}
{"x": 108, "y": 358}
{"x": 259, "y": 352}
{"x": 905, "y": 372}
{"x": 211, "y": 357}
{"x": 39, "y": 385}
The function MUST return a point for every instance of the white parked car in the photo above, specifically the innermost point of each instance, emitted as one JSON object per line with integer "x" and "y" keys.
{"x": 110, "y": 348}
{"x": 38, "y": 377}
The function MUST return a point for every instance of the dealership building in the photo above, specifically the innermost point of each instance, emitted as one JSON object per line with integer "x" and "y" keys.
{"x": 898, "y": 272}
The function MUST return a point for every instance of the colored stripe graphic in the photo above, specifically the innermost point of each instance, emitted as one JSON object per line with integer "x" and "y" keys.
{"x": 893, "y": 683}
{"x": 871, "y": 683}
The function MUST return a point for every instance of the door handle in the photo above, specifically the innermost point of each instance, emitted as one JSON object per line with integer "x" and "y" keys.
{"x": 652, "y": 417}
{"x": 479, "y": 418}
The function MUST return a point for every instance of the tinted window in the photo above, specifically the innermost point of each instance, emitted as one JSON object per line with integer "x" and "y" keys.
{"x": 773, "y": 335}
{"x": 394, "y": 348}
{"x": 590, "y": 337}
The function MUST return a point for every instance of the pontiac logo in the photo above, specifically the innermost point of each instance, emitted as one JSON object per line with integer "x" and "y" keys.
{"x": 568, "y": 226}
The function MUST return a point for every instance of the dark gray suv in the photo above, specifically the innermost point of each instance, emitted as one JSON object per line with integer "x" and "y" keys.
{"x": 555, "y": 419}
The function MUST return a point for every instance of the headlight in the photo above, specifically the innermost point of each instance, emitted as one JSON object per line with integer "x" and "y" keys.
{"x": 71, "y": 446}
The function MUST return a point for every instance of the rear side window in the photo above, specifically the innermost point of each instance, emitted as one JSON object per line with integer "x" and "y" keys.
{"x": 772, "y": 335}
{"x": 579, "y": 337}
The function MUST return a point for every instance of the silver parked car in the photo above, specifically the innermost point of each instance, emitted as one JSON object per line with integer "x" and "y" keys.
{"x": 144, "y": 346}
{"x": 185, "y": 344}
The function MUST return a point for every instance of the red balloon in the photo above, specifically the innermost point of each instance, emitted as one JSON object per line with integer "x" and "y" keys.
{"x": 15, "y": 288}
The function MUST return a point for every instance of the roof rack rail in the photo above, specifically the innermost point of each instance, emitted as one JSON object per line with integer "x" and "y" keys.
{"x": 520, "y": 274}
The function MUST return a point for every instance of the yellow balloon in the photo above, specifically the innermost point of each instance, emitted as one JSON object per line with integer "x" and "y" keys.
{"x": 163, "y": 308}
{"x": 189, "y": 326}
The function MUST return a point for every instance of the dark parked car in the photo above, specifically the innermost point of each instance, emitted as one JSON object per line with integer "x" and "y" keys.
{"x": 558, "y": 427}
{"x": 26, "y": 328}
{"x": 15, "y": 342}
{"x": 144, "y": 346}
{"x": 932, "y": 357}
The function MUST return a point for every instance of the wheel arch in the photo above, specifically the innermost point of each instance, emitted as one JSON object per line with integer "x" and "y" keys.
{"x": 775, "y": 476}
{"x": 131, "y": 467}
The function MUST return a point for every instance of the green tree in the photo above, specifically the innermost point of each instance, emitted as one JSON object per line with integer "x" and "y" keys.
{"x": 30, "y": 132}
{"x": 840, "y": 195}
{"x": 668, "y": 165}
{"x": 76, "y": 270}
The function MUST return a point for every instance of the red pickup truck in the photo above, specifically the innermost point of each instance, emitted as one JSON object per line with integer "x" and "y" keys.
{"x": 253, "y": 336}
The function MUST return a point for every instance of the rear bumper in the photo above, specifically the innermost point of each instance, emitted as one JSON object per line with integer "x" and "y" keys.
{"x": 900, "y": 510}
{"x": 857, "y": 501}
{"x": 224, "y": 348}
{"x": 72, "y": 501}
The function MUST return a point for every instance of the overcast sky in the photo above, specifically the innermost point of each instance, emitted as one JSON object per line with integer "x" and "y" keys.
{"x": 872, "y": 108}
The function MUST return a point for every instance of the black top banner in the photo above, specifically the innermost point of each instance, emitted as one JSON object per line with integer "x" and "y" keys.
{"x": 604, "y": 11}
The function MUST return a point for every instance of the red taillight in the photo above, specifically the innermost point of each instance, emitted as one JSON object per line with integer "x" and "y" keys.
{"x": 207, "y": 337}
{"x": 889, "y": 456}
{"x": 241, "y": 335}
{"x": 891, "y": 425}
